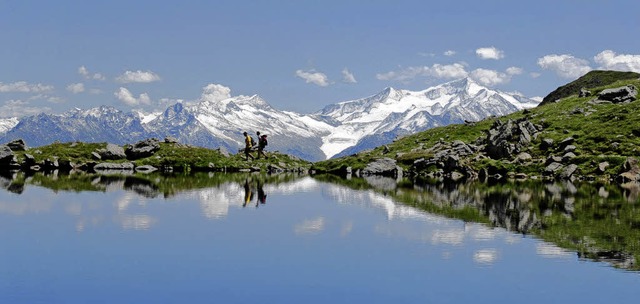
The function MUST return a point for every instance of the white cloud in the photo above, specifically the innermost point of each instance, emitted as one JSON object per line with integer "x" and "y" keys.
{"x": 449, "y": 53}
{"x": 215, "y": 92}
{"x": 514, "y": 71}
{"x": 127, "y": 97}
{"x": 490, "y": 53}
{"x": 534, "y": 74}
{"x": 609, "y": 60}
{"x": 565, "y": 65}
{"x": 138, "y": 76}
{"x": 19, "y": 108}
{"x": 348, "y": 76}
{"x": 489, "y": 77}
{"x": 449, "y": 71}
{"x": 85, "y": 73}
{"x": 24, "y": 87}
{"x": 76, "y": 88}
{"x": 311, "y": 76}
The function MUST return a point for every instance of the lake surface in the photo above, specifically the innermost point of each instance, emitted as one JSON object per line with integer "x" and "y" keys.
{"x": 288, "y": 239}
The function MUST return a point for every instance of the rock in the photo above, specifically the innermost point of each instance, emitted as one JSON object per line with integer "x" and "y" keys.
{"x": 142, "y": 149}
{"x": 383, "y": 167}
{"x": 602, "y": 167}
{"x": 567, "y": 157}
{"x": 6, "y": 155}
{"x": 224, "y": 152}
{"x": 630, "y": 171}
{"x": 565, "y": 142}
{"x": 552, "y": 159}
{"x": 385, "y": 149}
{"x": 523, "y": 157}
{"x": 552, "y": 168}
{"x": 506, "y": 139}
{"x": 617, "y": 95}
{"x": 568, "y": 171}
{"x": 546, "y": 144}
{"x": 584, "y": 93}
{"x": 112, "y": 152}
{"x": 170, "y": 140}
{"x": 51, "y": 164}
{"x": 96, "y": 156}
{"x": 570, "y": 148}
{"x": 17, "y": 145}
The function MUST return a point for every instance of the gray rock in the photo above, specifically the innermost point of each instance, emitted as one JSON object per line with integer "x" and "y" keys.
{"x": 565, "y": 142}
{"x": 95, "y": 155}
{"x": 546, "y": 144}
{"x": 523, "y": 157}
{"x": 617, "y": 95}
{"x": 552, "y": 159}
{"x": 112, "y": 152}
{"x": 6, "y": 155}
{"x": 382, "y": 166}
{"x": 170, "y": 140}
{"x": 17, "y": 145}
{"x": 584, "y": 93}
{"x": 570, "y": 148}
{"x": 552, "y": 168}
{"x": 567, "y": 157}
{"x": 602, "y": 167}
{"x": 142, "y": 149}
{"x": 568, "y": 171}
{"x": 506, "y": 139}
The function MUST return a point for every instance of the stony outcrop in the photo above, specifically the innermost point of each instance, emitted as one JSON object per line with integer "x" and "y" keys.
{"x": 507, "y": 139}
{"x": 17, "y": 145}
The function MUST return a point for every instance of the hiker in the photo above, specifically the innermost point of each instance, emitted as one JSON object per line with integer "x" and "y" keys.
{"x": 248, "y": 144}
{"x": 262, "y": 142}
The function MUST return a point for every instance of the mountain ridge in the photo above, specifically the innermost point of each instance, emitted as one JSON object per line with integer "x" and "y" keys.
{"x": 214, "y": 121}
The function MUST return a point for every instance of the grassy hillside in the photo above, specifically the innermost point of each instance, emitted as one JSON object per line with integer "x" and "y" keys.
{"x": 592, "y": 79}
{"x": 603, "y": 132}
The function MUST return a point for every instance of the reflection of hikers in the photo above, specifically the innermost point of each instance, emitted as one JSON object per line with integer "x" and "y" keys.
{"x": 248, "y": 143}
{"x": 248, "y": 194}
{"x": 262, "y": 142}
{"x": 262, "y": 197}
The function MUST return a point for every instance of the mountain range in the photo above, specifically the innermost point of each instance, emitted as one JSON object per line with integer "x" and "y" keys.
{"x": 338, "y": 129}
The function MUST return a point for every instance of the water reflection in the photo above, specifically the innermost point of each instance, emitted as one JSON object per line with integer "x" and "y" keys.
{"x": 598, "y": 221}
{"x": 595, "y": 221}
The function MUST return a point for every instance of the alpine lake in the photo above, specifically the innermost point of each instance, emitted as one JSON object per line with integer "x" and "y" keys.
{"x": 258, "y": 238}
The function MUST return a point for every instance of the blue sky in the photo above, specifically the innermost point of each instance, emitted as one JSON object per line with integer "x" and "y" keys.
{"x": 297, "y": 55}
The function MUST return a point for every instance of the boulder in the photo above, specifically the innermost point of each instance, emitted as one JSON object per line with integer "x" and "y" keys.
{"x": 630, "y": 171}
{"x": 170, "y": 140}
{"x": 602, "y": 167}
{"x": 568, "y": 171}
{"x": 383, "y": 167}
{"x": 17, "y": 145}
{"x": 112, "y": 152}
{"x": 113, "y": 166}
{"x": 6, "y": 155}
{"x": 142, "y": 149}
{"x": 546, "y": 144}
{"x": 584, "y": 93}
{"x": 617, "y": 95}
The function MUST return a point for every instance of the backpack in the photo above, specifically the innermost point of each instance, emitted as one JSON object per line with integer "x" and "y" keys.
{"x": 253, "y": 142}
{"x": 264, "y": 141}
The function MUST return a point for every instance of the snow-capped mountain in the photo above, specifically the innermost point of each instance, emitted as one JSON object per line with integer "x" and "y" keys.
{"x": 339, "y": 129}
{"x": 370, "y": 122}
{"x": 7, "y": 124}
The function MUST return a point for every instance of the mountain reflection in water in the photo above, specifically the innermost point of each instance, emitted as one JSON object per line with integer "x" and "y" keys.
{"x": 598, "y": 221}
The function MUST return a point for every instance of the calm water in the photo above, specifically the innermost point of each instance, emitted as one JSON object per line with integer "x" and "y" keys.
{"x": 118, "y": 241}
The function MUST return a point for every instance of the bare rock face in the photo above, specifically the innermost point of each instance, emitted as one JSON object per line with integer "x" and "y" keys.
{"x": 630, "y": 171}
{"x": 6, "y": 155}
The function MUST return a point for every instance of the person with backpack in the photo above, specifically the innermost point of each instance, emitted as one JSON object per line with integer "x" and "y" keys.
{"x": 262, "y": 143}
{"x": 248, "y": 144}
